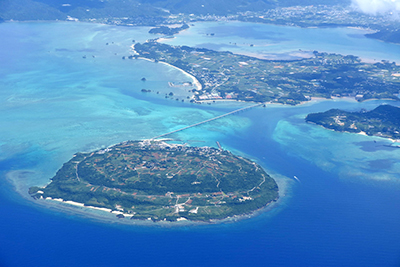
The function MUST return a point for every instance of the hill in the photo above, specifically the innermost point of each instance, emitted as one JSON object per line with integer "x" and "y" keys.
{"x": 383, "y": 121}
{"x": 135, "y": 9}
{"x": 160, "y": 181}
{"x": 391, "y": 36}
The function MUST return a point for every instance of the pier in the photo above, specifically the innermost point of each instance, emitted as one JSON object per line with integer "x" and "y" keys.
{"x": 212, "y": 119}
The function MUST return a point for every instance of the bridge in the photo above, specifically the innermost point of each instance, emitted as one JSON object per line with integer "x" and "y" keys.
{"x": 212, "y": 119}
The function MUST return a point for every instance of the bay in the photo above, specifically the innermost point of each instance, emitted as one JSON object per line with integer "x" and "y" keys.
{"x": 284, "y": 42}
{"x": 54, "y": 103}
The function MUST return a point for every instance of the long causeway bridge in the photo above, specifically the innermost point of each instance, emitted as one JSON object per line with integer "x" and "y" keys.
{"x": 212, "y": 119}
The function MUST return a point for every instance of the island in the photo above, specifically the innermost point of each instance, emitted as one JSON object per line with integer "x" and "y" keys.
{"x": 383, "y": 121}
{"x": 158, "y": 181}
{"x": 229, "y": 76}
{"x": 169, "y": 31}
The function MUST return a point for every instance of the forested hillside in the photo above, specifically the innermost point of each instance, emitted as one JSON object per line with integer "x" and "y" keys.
{"x": 83, "y": 9}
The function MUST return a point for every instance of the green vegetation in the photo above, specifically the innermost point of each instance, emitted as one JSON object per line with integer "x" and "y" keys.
{"x": 225, "y": 7}
{"x": 307, "y": 13}
{"x": 167, "y": 30}
{"x": 391, "y": 36}
{"x": 29, "y": 10}
{"x": 128, "y": 12}
{"x": 322, "y": 15}
{"x": 152, "y": 179}
{"x": 383, "y": 121}
{"x": 225, "y": 75}
{"x": 137, "y": 12}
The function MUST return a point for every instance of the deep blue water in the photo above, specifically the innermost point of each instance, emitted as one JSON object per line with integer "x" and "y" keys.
{"x": 325, "y": 222}
{"x": 344, "y": 212}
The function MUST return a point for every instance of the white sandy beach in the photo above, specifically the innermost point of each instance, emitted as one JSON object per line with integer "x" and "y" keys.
{"x": 109, "y": 216}
{"x": 194, "y": 80}
{"x": 73, "y": 203}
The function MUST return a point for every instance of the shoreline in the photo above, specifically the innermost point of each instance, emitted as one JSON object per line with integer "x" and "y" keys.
{"x": 106, "y": 215}
{"x": 257, "y": 56}
{"x": 195, "y": 82}
{"x": 359, "y": 133}
{"x": 214, "y": 101}
{"x": 272, "y": 103}
{"x": 386, "y": 138}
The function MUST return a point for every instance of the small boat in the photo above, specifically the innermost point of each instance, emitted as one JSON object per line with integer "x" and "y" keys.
{"x": 297, "y": 179}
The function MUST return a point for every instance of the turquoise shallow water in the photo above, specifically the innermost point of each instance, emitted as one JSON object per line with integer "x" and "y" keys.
{"x": 54, "y": 103}
{"x": 350, "y": 156}
{"x": 55, "y": 99}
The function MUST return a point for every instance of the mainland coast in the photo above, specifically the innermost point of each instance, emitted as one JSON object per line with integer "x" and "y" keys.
{"x": 249, "y": 79}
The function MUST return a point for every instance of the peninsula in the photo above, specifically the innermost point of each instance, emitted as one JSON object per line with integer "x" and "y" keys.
{"x": 228, "y": 76}
{"x": 154, "y": 180}
{"x": 383, "y": 121}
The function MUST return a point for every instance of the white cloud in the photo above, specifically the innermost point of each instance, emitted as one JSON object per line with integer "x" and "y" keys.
{"x": 375, "y": 7}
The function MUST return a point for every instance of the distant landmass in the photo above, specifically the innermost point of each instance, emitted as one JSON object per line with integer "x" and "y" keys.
{"x": 307, "y": 13}
{"x": 137, "y": 10}
{"x": 391, "y": 36}
{"x": 159, "y": 181}
{"x": 383, "y": 121}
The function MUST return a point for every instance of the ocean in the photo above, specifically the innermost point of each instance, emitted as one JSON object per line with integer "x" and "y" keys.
{"x": 65, "y": 88}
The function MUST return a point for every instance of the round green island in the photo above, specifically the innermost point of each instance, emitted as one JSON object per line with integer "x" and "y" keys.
{"x": 160, "y": 181}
